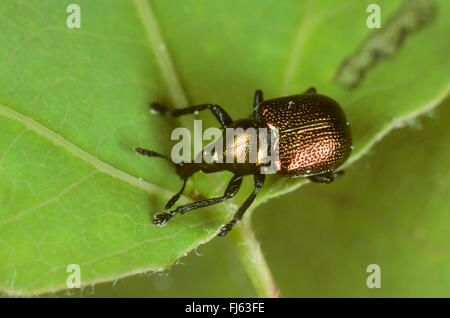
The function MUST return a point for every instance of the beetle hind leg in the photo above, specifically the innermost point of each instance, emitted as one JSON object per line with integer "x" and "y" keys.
{"x": 151, "y": 153}
{"x": 326, "y": 177}
{"x": 176, "y": 197}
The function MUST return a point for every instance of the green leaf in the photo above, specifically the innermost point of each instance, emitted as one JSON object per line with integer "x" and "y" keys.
{"x": 74, "y": 105}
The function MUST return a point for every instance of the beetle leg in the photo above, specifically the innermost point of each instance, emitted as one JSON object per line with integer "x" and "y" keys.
{"x": 220, "y": 114}
{"x": 232, "y": 188}
{"x": 175, "y": 198}
{"x": 338, "y": 174}
{"x": 259, "y": 182}
{"x": 326, "y": 177}
{"x": 257, "y": 98}
{"x": 310, "y": 90}
{"x": 150, "y": 153}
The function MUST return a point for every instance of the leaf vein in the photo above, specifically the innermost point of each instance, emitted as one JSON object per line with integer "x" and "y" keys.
{"x": 78, "y": 152}
{"x": 301, "y": 36}
{"x": 163, "y": 57}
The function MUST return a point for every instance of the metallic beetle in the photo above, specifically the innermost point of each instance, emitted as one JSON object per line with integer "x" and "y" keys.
{"x": 309, "y": 134}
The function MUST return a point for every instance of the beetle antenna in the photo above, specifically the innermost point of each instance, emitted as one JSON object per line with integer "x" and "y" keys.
{"x": 184, "y": 170}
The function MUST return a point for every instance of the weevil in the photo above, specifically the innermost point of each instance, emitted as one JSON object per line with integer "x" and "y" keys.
{"x": 309, "y": 133}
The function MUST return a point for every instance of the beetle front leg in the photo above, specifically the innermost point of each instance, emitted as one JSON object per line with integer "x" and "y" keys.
{"x": 218, "y": 112}
{"x": 259, "y": 182}
{"x": 176, "y": 197}
{"x": 232, "y": 188}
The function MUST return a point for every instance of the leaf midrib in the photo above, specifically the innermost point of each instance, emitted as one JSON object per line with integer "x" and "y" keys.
{"x": 300, "y": 38}
{"x": 154, "y": 36}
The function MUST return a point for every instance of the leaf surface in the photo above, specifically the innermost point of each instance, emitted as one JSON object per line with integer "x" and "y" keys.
{"x": 74, "y": 105}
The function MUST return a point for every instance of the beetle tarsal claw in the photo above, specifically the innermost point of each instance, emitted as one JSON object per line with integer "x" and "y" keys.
{"x": 161, "y": 219}
{"x": 158, "y": 109}
{"x": 225, "y": 229}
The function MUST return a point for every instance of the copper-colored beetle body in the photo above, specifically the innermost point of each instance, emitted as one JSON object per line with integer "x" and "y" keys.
{"x": 314, "y": 135}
